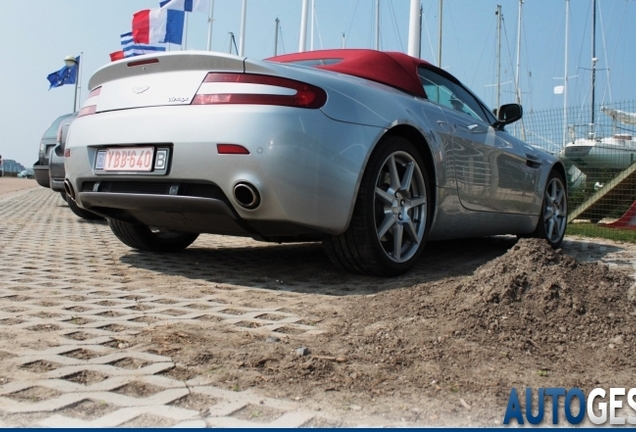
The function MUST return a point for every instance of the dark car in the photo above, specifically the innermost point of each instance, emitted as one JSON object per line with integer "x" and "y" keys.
{"x": 49, "y": 169}
{"x": 56, "y": 156}
{"x": 47, "y": 143}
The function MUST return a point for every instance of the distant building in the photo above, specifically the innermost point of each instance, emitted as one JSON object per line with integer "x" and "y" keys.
{"x": 11, "y": 166}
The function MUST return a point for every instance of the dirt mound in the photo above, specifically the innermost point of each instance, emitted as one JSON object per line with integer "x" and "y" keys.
{"x": 527, "y": 315}
{"x": 534, "y": 295}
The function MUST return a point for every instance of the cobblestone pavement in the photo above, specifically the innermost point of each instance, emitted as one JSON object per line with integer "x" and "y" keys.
{"x": 71, "y": 296}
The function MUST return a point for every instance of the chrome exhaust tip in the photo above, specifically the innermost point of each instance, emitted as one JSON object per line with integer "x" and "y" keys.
{"x": 247, "y": 195}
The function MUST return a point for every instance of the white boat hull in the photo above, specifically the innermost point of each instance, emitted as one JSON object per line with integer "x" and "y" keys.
{"x": 591, "y": 155}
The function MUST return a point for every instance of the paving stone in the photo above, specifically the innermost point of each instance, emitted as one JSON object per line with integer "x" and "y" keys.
{"x": 77, "y": 305}
{"x": 70, "y": 288}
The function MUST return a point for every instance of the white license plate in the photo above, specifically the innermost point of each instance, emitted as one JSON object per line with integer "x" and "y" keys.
{"x": 126, "y": 159}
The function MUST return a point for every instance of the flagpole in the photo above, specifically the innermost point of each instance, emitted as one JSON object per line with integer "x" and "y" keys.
{"x": 185, "y": 33}
{"x": 211, "y": 21}
{"x": 79, "y": 76}
{"x": 302, "y": 44}
{"x": 242, "y": 36}
{"x": 71, "y": 61}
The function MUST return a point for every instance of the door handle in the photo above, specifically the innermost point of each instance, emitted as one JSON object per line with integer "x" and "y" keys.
{"x": 471, "y": 128}
{"x": 443, "y": 125}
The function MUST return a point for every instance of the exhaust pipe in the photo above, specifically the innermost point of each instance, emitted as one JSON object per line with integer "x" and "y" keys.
{"x": 68, "y": 188}
{"x": 247, "y": 195}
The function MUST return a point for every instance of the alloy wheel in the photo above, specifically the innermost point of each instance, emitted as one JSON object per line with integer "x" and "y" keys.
{"x": 400, "y": 204}
{"x": 555, "y": 210}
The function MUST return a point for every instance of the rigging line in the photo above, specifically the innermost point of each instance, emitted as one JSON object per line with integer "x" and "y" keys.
{"x": 448, "y": 14}
{"x": 235, "y": 47}
{"x": 620, "y": 30}
{"x": 607, "y": 87}
{"x": 508, "y": 46}
{"x": 371, "y": 32}
{"x": 346, "y": 14}
{"x": 587, "y": 24}
{"x": 352, "y": 17}
{"x": 556, "y": 65}
{"x": 493, "y": 69}
{"x": 266, "y": 40}
{"x": 529, "y": 72}
{"x": 481, "y": 57}
{"x": 395, "y": 27}
{"x": 428, "y": 34}
{"x": 282, "y": 41}
{"x": 317, "y": 28}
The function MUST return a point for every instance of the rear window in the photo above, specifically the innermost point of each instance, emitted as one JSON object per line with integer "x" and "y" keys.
{"x": 51, "y": 132}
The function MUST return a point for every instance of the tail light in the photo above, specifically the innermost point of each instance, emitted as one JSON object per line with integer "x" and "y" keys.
{"x": 230, "y": 88}
{"x": 90, "y": 104}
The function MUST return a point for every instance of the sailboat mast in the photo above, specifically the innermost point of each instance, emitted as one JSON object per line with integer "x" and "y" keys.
{"x": 518, "y": 98}
{"x": 439, "y": 38}
{"x": 565, "y": 75}
{"x": 498, "y": 13}
{"x": 414, "y": 31}
{"x": 377, "y": 24}
{"x": 594, "y": 60}
{"x": 302, "y": 43}
{"x": 242, "y": 36}
{"x": 210, "y": 24}
{"x": 518, "y": 83}
{"x": 276, "y": 37}
{"x": 313, "y": 24}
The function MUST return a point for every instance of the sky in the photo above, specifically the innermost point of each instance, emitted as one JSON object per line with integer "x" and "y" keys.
{"x": 35, "y": 39}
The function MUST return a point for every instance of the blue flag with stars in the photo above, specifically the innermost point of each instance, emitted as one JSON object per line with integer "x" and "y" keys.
{"x": 66, "y": 75}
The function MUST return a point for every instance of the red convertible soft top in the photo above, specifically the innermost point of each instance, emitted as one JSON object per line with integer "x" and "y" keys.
{"x": 391, "y": 68}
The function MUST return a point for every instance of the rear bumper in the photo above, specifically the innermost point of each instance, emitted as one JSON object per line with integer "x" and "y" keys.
{"x": 57, "y": 184}
{"x": 305, "y": 166}
{"x": 197, "y": 208}
{"x": 41, "y": 174}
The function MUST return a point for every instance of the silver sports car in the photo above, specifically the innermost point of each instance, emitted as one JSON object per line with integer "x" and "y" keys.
{"x": 372, "y": 153}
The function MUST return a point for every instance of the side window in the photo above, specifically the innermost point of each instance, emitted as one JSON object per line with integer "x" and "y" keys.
{"x": 445, "y": 92}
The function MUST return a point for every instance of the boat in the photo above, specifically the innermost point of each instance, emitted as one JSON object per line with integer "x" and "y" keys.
{"x": 614, "y": 153}
{"x": 600, "y": 157}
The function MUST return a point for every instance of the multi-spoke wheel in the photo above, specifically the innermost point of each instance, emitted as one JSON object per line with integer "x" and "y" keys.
{"x": 390, "y": 219}
{"x": 554, "y": 212}
{"x": 142, "y": 237}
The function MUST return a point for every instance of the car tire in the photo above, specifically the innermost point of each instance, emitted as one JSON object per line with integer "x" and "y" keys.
{"x": 554, "y": 211}
{"x": 63, "y": 195}
{"x": 84, "y": 214}
{"x": 391, "y": 216}
{"x": 139, "y": 236}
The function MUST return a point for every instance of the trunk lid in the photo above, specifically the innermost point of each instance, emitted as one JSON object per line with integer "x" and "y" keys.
{"x": 156, "y": 80}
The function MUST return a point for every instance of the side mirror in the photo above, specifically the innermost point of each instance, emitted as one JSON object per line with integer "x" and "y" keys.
{"x": 509, "y": 113}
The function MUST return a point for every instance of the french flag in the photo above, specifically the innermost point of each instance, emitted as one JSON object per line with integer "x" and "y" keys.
{"x": 186, "y": 5}
{"x": 151, "y": 26}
